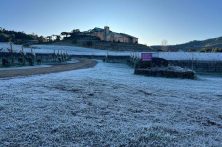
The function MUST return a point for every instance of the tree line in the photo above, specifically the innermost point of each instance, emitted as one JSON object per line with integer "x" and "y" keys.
{"x": 23, "y": 38}
{"x": 18, "y": 37}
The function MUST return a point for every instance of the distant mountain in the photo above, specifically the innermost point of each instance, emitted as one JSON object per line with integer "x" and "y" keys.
{"x": 209, "y": 45}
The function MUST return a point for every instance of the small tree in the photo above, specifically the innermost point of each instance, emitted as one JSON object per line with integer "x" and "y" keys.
{"x": 58, "y": 37}
{"x": 164, "y": 45}
{"x": 89, "y": 43}
{"x": 76, "y": 31}
{"x": 41, "y": 39}
{"x": 5, "y": 62}
{"x": 65, "y": 34}
{"x": 49, "y": 38}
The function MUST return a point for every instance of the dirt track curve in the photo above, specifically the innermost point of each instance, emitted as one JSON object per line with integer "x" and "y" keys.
{"x": 83, "y": 63}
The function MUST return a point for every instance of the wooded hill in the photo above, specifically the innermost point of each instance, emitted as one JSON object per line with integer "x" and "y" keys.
{"x": 209, "y": 45}
{"x": 18, "y": 37}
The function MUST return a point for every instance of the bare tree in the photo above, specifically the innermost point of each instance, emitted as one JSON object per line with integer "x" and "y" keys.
{"x": 164, "y": 45}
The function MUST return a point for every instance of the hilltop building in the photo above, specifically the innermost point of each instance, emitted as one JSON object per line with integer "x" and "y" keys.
{"x": 107, "y": 35}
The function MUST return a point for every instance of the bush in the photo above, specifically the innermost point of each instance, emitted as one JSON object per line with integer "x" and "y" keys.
{"x": 30, "y": 61}
{"x": 5, "y": 62}
{"x": 39, "y": 61}
{"x": 21, "y": 60}
{"x": 89, "y": 43}
{"x": 60, "y": 59}
{"x": 74, "y": 41}
{"x": 159, "y": 62}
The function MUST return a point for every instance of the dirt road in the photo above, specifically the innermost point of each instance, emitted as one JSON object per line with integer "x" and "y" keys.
{"x": 83, "y": 63}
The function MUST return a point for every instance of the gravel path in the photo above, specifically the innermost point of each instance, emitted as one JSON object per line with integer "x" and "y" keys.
{"x": 83, "y": 63}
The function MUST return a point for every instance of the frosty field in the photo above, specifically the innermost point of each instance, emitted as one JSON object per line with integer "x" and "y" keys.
{"x": 108, "y": 105}
{"x": 74, "y": 50}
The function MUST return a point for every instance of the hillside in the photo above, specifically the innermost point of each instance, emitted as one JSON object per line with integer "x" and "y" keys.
{"x": 78, "y": 38}
{"x": 19, "y": 37}
{"x": 209, "y": 45}
{"x": 83, "y": 39}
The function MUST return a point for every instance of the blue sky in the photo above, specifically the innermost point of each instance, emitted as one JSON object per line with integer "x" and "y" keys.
{"x": 152, "y": 21}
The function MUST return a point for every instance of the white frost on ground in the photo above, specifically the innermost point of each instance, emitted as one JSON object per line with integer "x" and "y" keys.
{"x": 72, "y": 50}
{"x": 166, "y": 55}
{"x": 108, "y": 105}
{"x": 191, "y": 56}
{"x": 24, "y": 67}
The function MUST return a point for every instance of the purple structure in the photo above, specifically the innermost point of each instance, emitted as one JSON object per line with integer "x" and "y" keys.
{"x": 146, "y": 56}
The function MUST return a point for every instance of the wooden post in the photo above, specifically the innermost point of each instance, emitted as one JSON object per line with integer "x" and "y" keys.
{"x": 11, "y": 53}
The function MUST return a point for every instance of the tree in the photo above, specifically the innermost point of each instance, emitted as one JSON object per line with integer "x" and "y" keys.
{"x": 4, "y": 38}
{"x": 164, "y": 45}
{"x": 76, "y": 31}
{"x": 89, "y": 43}
{"x": 58, "y": 37}
{"x": 41, "y": 39}
{"x": 66, "y": 34}
{"x": 49, "y": 38}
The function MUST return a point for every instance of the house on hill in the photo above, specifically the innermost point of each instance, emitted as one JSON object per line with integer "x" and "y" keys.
{"x": 107, "y": 35}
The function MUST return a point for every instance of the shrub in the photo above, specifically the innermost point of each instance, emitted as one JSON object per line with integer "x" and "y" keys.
{"x": 89, "y": 43}
{"x": 5, "y": 62}
{"x": 21, "y": 60}
{"x": 39, "y": 61}
{"x": 30, "y": 61}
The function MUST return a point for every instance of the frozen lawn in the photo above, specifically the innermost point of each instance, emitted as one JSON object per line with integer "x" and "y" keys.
{"x": 73, "y": 50}
{"x": 108, "y": 105}
{"x": 23, "y": 67}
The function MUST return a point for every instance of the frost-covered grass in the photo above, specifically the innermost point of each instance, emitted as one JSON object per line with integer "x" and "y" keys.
{"x": 108, "y": 105}
{"x": 24, "y": 67}
{"x": 166, "y": 55}
{"x": 72, "y": 50}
